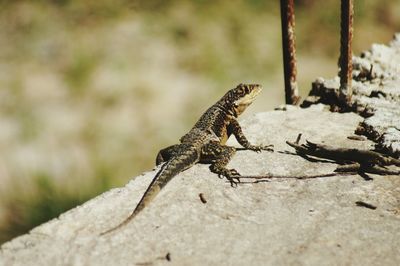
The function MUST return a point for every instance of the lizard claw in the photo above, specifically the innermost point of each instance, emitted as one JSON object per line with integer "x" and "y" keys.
{"x": 255, "y": 148}
{"x": 234, "y": 183}
{"x": 233, "y": 177}
{"x": 268, "y": 148}
{"x": 260, "y": 148}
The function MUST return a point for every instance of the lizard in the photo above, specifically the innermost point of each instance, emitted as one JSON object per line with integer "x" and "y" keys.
{"x": 205, "y": 143}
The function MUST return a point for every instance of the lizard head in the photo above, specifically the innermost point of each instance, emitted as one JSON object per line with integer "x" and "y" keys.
{"x": 236, "y": 100}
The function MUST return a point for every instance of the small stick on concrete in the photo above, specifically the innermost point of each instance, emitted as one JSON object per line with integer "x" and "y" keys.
{"x": 202, "y": 198}
{"x": 357, "y": 137}
{"x": 271, "y": 176}
{"x": 289, "y": 52}
{"x": 298, "y": 138}
{"x": 365, "y": 204}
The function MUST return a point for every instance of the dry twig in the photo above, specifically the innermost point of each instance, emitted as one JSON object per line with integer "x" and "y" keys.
{"x": 357, "y": 160}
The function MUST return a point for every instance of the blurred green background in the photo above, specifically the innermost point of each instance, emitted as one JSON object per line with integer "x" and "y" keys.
{"x": 91, "y": 90}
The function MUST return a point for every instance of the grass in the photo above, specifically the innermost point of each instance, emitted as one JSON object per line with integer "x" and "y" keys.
{"x": 78, "y": 72}
{"x": 44, "y": 201}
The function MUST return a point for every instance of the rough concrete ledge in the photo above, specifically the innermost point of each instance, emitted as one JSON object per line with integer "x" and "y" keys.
{"x": 280, "y": 222}
{"x": 376, "y": 94}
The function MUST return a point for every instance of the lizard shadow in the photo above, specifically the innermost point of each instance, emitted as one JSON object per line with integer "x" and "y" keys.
{"x": 364, "y": 175}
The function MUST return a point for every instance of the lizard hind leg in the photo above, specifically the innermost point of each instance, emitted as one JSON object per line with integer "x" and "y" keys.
{"x": 167, "y": 153}
{"x": 219, "y": 156}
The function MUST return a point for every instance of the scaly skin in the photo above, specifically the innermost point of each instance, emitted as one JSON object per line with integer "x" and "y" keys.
{"x": 205, "y": 143}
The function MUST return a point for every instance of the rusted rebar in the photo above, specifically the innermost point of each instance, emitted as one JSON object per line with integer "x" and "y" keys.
{"x": 345, "y": 59}
{"x": 289, "y": 52}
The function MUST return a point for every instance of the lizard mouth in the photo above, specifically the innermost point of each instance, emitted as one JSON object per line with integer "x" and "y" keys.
{"x": 249, "y": 98}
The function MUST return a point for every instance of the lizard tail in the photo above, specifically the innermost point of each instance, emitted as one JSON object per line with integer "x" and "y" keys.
{"x": 171, "y": 168}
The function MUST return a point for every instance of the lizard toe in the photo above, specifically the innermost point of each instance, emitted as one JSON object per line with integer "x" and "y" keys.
{"x": 268, "y": 148}
{"x": 234, "y": 181}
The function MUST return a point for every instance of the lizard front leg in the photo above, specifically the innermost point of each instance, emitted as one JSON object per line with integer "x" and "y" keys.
{"x": 236, "y": 130}
{"x": 219, "y": 156}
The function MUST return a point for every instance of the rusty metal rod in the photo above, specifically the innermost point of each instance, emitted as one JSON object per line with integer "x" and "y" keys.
{"x": 289, "y": 52}
{"x": 345, "y": 59}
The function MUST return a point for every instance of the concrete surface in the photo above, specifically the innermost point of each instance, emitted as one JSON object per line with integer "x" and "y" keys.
{"x": 279, "y": 222}
{"x": 376, "y": 94}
